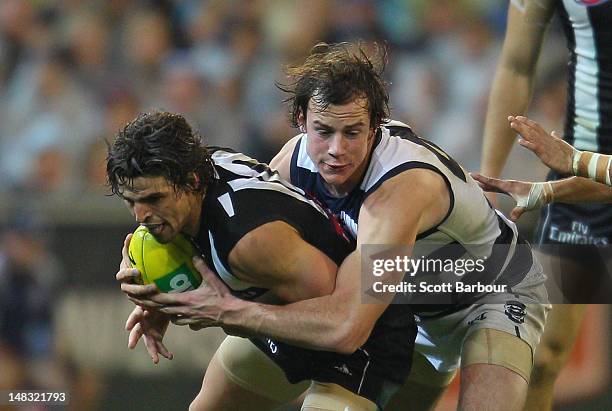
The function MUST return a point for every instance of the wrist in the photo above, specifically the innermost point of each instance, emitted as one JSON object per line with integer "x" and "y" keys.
{"x": 240, "y": 317}
{"x": 576, "y": 154}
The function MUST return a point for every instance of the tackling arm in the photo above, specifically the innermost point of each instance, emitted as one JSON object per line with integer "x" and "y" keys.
{"x": 340, "y": 322}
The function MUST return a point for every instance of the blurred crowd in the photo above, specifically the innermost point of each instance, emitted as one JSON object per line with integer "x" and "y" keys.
{"x": 74, "y": 72}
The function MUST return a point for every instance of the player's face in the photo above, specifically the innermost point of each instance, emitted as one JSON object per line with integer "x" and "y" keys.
{"x": 166, "y": 212}
{"x": 339, "y": 141}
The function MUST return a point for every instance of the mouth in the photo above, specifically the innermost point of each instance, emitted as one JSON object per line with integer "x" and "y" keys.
{"x": 154, "y": 229}
{"x": 335, "y": 167}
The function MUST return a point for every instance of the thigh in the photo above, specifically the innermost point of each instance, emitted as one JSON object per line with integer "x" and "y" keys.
{"x": 494, "y": 347}
{"x": 491, "y": 387}
{"x": 332, "y": 397}
{"x": 240, "y": 377}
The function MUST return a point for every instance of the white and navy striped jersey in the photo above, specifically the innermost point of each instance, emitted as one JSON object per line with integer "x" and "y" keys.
{"x": 247, "y": 194}
{"x": 588, "y": 28}
{"x": 471, "y": 224}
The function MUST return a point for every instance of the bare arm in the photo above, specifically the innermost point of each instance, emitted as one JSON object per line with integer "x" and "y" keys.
{"x": 531, "y": 196}
{"x": 575, "y": 190}
{"x": 340, "y": 322}
{"x": 513, "y": 82}
{"x": 291, "y": 268}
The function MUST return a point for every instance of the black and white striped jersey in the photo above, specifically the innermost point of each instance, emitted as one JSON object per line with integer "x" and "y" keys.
{"x": 247, "y": 194}
{"x": 588, "y": 28}
{"x": 471, "y": 226}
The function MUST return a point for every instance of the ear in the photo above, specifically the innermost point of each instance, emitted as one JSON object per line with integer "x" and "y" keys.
{"x": 302, "y": 121}
{"x": 194, "y": 181}
{"x": 371, "y": 134}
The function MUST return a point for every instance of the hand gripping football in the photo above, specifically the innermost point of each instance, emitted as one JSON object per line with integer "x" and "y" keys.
{"x": 169, "y": 265}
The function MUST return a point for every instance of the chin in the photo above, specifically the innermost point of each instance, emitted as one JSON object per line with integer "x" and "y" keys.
{"x": 165, "y": 237}
{"x": 334, "y": 179}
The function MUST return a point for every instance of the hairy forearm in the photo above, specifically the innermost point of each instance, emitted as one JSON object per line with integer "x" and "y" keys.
{"x": 316, "y": 323}
{"x": 510, "y": 95}
{"x": 581, "y": 190}
{"x": 335, "y": 322}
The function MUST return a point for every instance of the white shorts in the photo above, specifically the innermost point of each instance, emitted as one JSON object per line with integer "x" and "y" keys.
{"x": 520, "y": 314}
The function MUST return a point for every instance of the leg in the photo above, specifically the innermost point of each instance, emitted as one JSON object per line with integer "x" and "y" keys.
{"x": 242, "y": 378}
{"x": 219, "y": 392}
{"x": 423, "y": 389}
{"x": 332, "y": 397}
{"x": 495, "y": 371}
{"x": 552, "y": 353}
{"x": 491, "y": 387}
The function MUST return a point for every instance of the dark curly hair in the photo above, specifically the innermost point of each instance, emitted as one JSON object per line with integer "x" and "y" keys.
{"x": 338, "y": 74}
{"x": 159, "y": 144}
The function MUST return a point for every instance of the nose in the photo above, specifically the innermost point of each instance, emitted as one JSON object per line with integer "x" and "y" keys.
{"x": 142, "y": 212}
{"x": 337, "y": 145}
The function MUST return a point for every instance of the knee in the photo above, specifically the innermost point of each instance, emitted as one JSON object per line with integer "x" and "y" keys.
{"x": 552, "y": 351}
{"x": 550, "y": 358}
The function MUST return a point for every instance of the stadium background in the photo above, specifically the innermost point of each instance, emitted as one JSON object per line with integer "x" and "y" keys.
{"x": 73, "y": 72}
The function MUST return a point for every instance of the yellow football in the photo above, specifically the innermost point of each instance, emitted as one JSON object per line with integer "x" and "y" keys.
{"x": 169, "y": 265}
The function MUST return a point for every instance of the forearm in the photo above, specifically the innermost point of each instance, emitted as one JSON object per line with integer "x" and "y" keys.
{"x": 595, "y": 166}
{"x": 316, "y": 323}
{"x": 509, "y": 95}
{"x": 336, "y": 322}
{"x": 575, "y": 190}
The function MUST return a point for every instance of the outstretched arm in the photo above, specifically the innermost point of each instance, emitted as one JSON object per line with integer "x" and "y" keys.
{"x": 559, "y": 155}
{"x": 532, "y": 196}
{"x": 513, "y": 82}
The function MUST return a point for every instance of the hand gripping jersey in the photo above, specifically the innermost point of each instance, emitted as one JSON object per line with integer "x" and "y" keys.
{"x": 471, "y": 227}
{"x": 247, "y": 194}
{"x": 588, "y": 124}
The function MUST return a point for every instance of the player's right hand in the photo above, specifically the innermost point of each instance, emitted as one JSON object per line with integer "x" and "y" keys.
{"x": 552, "y": 150}
{"x": 126, "y": 273}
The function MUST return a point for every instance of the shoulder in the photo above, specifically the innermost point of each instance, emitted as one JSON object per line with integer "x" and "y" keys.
{"x": 404, "y": 206}
{"x": 412, "y": 184}
{"x": 282, "y": 161}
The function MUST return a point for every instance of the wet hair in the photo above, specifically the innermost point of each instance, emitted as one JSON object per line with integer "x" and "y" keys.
{"x": 159, "y": 144}
{"x": 338, "y": 74}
